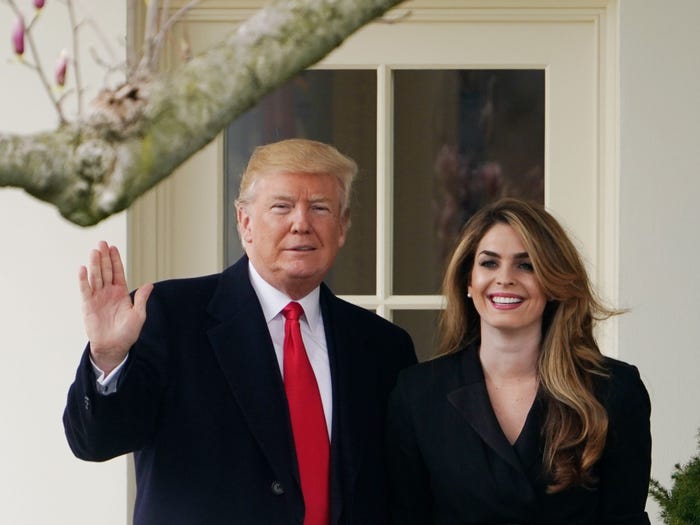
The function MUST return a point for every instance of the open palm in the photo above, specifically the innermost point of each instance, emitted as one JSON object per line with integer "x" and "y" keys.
{"x": 112, "y": 321}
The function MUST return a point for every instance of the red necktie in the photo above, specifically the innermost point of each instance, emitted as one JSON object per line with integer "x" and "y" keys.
{"x": 308, "y": 421}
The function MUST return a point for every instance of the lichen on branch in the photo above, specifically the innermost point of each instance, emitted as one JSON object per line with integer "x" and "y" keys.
{"x": 139, "y": 133}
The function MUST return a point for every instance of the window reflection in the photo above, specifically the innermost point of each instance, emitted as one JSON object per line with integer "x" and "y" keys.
{"x": 422, "y": 327}
{"x": 462, "y": 138}
{"x": 333, "y": 106}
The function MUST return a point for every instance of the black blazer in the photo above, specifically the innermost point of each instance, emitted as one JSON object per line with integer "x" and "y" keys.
{"x": 201, "y": 404}
{"x": 450, "y": 463}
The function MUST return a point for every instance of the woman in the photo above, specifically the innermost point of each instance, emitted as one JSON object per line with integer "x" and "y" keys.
{"x": 520, "y": 419}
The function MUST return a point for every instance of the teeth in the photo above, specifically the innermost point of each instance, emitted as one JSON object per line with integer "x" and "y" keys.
{"x": 506, "y": 300}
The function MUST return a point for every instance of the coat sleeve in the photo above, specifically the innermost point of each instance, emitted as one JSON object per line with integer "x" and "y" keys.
{"x": 100, "y": 427}
{"x": 410, "y": 500}
{"x": 625, "y": 466}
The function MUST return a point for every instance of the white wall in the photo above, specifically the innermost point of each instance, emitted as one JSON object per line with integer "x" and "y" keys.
{"x": 660, "y": 217}
{"x": 41, "y": 336}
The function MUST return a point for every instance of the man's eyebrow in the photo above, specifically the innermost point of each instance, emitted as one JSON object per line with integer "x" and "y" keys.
{"x": 288, "y": 197}
{"x": 319, "y": 198}
{"x": 280, "y": 197}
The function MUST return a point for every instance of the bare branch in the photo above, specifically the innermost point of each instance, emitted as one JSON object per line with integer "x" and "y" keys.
{"x": 140, "y": 133}
{"x": 37, "y": 63}
{"x": 167, "y": 25}
{"x": 76, "y": 58}
{"x": 110, "y": 68}
{"x": 146, "y": 65}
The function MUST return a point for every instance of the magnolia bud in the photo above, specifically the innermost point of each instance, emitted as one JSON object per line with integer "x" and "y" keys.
{"x": 61, "y": 67}
{"x": 39, "y": 3}
{"x": 18, "y": 36}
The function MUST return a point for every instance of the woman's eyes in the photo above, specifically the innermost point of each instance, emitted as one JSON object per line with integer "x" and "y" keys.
{"x": 489, "y": 263}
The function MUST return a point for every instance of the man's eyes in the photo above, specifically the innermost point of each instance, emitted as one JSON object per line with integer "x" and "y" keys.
{"x": 284, "y": 207}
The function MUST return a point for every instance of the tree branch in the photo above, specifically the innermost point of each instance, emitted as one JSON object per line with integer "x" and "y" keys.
{"x": 37, "y": 61}
{"x": 76, "y": 61}
{"x": 140, "y": 133}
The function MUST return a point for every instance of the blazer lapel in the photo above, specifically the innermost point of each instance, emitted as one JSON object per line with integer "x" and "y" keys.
{"x": 472, "y": 401}
{"x": 241, "y": 342}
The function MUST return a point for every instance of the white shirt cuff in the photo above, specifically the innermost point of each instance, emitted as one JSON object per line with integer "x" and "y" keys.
{"x": 107, "y": 384}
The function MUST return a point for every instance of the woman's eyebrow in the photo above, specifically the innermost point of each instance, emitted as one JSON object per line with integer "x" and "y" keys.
{"x": 520, "y": 255}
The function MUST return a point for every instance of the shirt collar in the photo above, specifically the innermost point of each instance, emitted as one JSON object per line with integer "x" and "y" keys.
{"x": 273, "y": 300}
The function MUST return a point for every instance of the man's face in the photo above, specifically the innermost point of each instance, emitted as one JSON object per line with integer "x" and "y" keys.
{"x": 293, "y": 228}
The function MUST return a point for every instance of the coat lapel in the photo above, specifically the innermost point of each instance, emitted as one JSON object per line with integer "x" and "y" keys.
{"x": 472, "y": 401}
{"x": 241, "y": 342}
{"x": 349, "y": 398}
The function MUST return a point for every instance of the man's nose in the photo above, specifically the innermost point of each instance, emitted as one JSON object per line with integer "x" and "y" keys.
{"x": 300, "y": 220}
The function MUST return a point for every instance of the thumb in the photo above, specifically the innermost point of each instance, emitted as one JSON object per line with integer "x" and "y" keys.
{"x": 140, "y": 298}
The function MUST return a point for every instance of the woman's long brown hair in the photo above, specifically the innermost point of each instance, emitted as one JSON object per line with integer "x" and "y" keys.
{"x": 576, "y": 424}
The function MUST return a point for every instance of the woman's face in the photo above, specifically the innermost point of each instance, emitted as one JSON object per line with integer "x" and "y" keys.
{"x": 503, "y": 285}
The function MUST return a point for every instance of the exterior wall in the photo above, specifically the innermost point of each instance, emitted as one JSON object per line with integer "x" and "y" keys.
{"x": 659, "y": 217}
{"x": 42, "y": 335}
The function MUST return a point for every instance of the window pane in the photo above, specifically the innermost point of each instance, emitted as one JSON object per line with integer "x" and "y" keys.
{"x": 462, "y": 138}
{"x": 422, "y": 327}
{"x": 333, "y": 106}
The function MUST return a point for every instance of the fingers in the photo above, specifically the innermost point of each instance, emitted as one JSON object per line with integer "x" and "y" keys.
{"x": 105, "y": 263}
{"x": 141, "y": 297}
{"x": 95, "y": 270}
{"x": 83, "y": 284}
{"x": 119, "y": 276}
{"x": 105, "y": 267}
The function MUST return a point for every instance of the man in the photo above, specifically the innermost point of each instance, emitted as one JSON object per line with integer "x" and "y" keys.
{"x": 236, "y": 414}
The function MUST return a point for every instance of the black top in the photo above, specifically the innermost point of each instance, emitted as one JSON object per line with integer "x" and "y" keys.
{"x": 450, "y": 462}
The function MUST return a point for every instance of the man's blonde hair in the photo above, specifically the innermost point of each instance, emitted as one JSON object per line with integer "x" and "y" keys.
{"x": 298, "y": 156}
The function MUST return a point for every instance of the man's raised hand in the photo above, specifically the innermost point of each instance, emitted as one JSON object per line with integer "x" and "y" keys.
{"x": 112, "y": 321}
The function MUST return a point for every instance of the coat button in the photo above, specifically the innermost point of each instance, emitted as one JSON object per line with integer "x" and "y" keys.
{"x": 277, "y": 488}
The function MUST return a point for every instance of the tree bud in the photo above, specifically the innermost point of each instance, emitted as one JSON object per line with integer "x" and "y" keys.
{"x": 61, "y": 68}
{"x": 18, "y": 36}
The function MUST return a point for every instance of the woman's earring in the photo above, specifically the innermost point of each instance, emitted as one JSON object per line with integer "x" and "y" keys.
{"x": 469, "y": 295}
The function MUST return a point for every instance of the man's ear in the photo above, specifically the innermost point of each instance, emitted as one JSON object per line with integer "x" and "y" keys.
{"x": 244, "y": 224}
{"x": 344, "y": 227}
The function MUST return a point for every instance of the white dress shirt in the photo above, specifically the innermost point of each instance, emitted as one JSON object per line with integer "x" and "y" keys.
{"x": 273, "y": 301}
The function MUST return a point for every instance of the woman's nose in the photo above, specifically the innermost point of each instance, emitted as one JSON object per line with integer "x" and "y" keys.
{"x": 505, "y": 278}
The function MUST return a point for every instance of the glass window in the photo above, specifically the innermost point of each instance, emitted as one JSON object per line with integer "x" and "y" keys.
{"x": 333, "y": 106}
{"x": 422, "y": 327}
{"x": 462, "y": 138}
